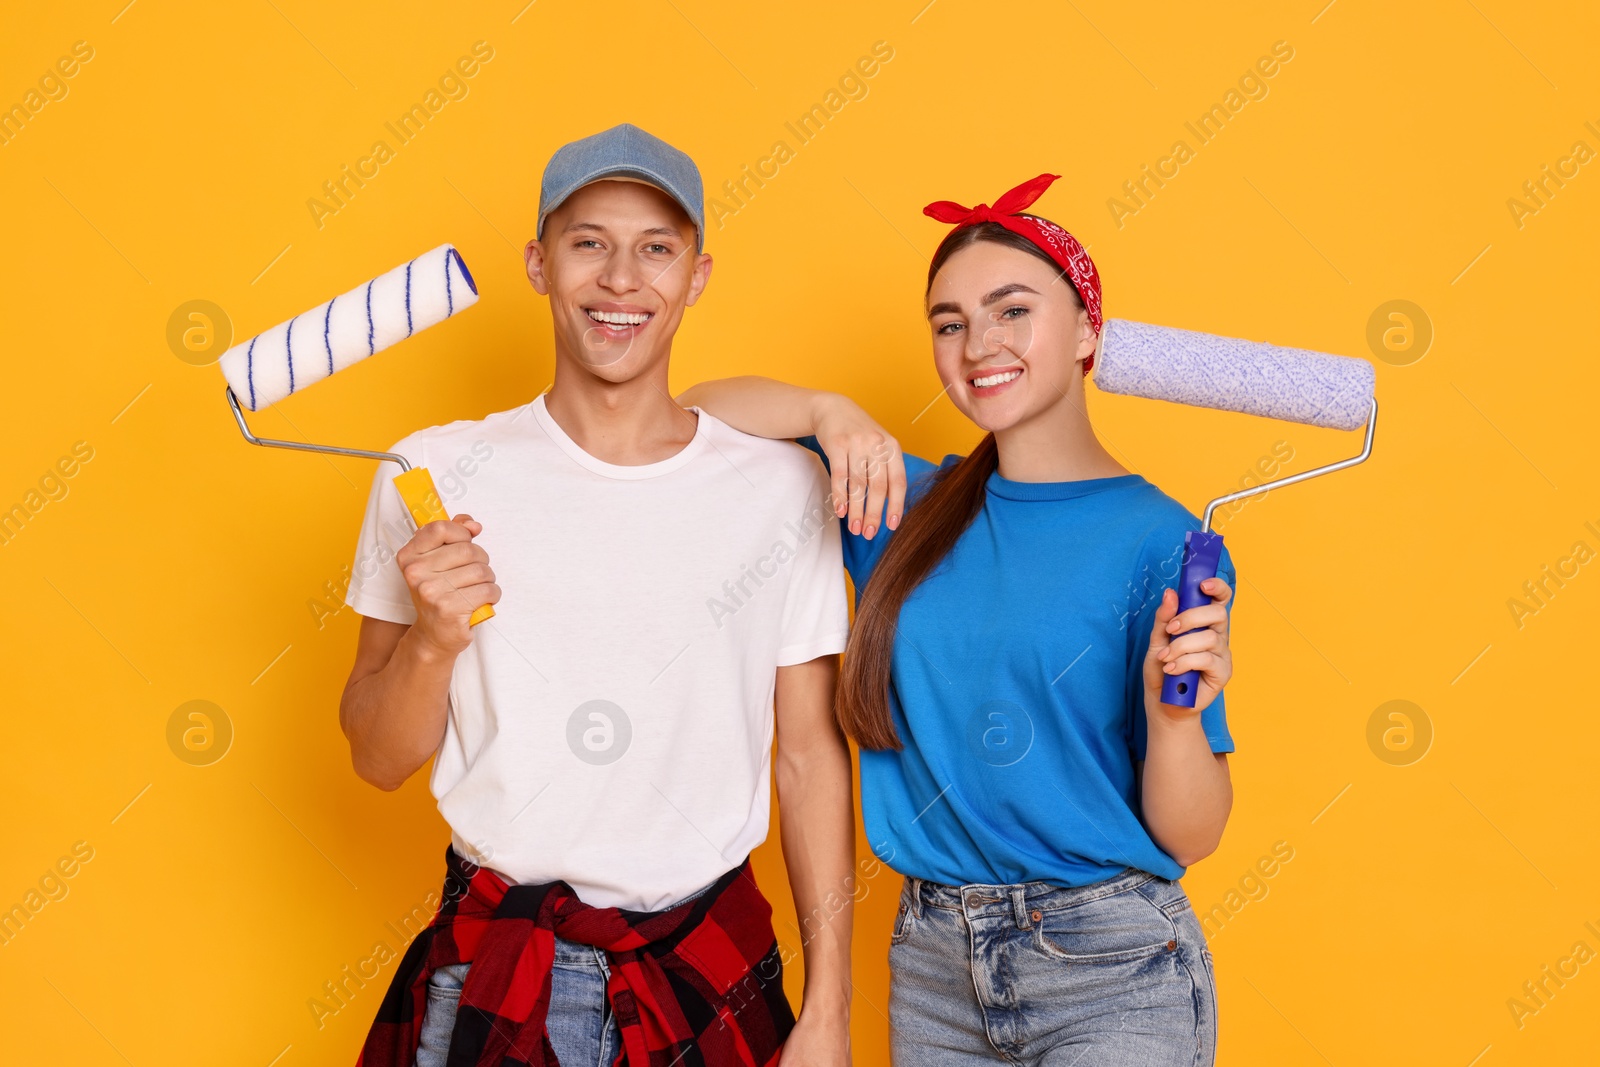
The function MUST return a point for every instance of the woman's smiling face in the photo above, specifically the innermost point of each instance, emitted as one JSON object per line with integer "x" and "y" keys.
{"x": 1009, "y": 334}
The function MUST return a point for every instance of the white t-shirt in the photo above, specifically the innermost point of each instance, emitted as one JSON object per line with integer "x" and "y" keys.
{"x": 612, "y": 725}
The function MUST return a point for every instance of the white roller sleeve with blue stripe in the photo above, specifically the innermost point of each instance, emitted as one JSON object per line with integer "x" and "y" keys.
{"x": 349, "y": 328}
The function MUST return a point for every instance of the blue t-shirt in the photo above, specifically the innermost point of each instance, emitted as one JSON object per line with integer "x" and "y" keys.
{"x": 1017, "y": 688}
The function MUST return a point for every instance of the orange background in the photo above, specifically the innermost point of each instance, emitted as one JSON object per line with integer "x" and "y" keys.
{"x": 1439, "y": 860}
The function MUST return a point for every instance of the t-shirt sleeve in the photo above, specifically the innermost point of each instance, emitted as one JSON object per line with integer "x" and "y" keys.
{"x": 816, "y": 619}
{"x": 1162, "y": 573}
{"x": 377, "y": 588}
{"x": 861, "y": 554}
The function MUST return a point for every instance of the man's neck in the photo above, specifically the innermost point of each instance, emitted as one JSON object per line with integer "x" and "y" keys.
{"x": 628, "y": 423}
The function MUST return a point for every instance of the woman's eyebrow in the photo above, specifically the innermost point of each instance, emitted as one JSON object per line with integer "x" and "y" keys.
{"x": 991, "y": 297}
{"x": 996, "y": 295}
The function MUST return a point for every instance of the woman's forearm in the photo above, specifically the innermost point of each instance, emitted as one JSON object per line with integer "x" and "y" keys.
{"x": 759, "y": 406}
{"x": 866, "y": 469}
{"x": 1186, "y": 792}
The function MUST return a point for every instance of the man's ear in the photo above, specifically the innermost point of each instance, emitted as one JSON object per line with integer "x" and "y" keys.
{"x": 700, "y": 277}
{"x": 533, "y": 257}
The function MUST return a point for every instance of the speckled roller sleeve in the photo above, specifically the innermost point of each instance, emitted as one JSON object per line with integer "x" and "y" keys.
{"x": 1186, "y": 367}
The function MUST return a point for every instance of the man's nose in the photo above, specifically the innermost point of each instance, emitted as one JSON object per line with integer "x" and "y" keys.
{"x": 620, "y": 274}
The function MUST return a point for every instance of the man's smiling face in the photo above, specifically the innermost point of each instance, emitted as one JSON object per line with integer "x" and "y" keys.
{"x": 619, "y": 265}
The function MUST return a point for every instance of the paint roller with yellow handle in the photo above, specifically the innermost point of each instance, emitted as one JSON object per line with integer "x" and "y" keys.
{"x": 345, "y": 330}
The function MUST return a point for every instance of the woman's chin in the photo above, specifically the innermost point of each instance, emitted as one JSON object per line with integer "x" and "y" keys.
{"x": 994, "y": 415}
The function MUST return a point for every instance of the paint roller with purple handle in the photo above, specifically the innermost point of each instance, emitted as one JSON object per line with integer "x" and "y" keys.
{"x": 1185, "y": 367}
{"x": 349, "y": 328}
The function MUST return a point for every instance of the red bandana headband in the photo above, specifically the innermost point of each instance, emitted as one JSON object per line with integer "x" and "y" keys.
{"x": 1057, "y": 243}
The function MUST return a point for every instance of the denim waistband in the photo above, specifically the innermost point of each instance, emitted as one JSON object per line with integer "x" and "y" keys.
{"x": 1019, "y": 900}
{"x": 577, "y": 954}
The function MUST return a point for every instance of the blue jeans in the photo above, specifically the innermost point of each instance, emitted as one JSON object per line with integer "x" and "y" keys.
{"x": 582, "y": 1029}
{"x": 1113, "y": 974}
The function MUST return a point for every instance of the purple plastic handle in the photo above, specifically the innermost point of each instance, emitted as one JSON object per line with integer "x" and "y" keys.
{"x": 1201, "y": 554}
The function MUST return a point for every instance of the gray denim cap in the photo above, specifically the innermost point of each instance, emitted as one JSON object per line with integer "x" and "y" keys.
{"x": 623, "y": 151}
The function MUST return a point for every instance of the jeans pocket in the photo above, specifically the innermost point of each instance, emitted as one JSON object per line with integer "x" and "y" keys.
{"x": 445, "y": 982}
{"x": 1116, "y": 929}
{"x": 1181, "y": 911}
{"x": 903, "y": 920}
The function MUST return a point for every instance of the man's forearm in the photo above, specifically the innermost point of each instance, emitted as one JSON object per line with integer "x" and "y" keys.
{"x": 817, "y": 826}
{"x": 395, "y": 717}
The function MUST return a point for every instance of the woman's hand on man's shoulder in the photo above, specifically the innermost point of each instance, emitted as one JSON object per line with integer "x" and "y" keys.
{"x": 867, "y": 467}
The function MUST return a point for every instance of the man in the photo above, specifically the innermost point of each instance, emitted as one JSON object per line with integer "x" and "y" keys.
{"x": 602, "y": 745}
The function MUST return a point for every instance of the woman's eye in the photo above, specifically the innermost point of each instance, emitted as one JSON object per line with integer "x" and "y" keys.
{"x": 948, "y": 327}
{"x": 1006, "y": 314}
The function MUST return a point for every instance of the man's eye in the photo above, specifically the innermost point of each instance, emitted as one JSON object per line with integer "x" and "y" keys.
{"x": 659, "y": 248}
{"x": 587, "y": 241}
{"x": 948, "y": 327}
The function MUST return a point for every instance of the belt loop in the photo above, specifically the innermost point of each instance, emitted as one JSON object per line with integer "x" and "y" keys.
{"x": 914, "y": 887}
{"x": 1019, "y": 907}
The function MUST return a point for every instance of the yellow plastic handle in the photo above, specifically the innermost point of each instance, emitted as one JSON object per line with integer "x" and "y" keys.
{"x": 422, "y": 500}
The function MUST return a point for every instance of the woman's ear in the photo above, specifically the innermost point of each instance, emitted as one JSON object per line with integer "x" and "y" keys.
{"x": 1088, "y": 340}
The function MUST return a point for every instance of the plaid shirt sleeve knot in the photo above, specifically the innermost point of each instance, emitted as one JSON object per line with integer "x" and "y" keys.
{"x": 697, "y": 985}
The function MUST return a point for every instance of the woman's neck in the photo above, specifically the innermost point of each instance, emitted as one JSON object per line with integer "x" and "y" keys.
{"x": 1056, "y": 445}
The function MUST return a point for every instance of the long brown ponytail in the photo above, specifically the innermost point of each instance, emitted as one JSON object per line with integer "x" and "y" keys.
{"x": 926, "y": 535}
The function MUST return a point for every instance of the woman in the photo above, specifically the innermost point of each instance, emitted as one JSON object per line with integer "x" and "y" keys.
{"x": 1003, "y": 680}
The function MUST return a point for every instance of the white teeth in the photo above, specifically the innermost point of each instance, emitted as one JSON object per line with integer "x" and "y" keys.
{"x": 618, "y": 318}
{"x": 996, "y": 379}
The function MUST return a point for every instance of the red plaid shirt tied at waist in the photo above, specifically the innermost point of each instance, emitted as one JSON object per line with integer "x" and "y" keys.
{"x": 700, "y": 983}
